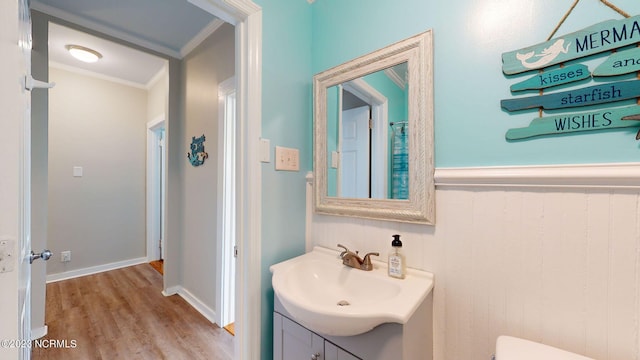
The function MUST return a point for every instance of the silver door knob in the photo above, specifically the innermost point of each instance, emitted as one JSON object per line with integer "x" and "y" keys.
{"x": 315, "y": 356}
{"x": 44, "y": 255}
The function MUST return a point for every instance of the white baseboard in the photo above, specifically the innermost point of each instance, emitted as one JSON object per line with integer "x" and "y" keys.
{"x": 171, "y": 290}
{"x": 196, "y": 303}
{"x": 94, "y": 269}
{"x": 39, "y": 332}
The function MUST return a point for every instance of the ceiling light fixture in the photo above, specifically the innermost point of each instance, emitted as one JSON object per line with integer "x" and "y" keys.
{"x": 83, "y": 53}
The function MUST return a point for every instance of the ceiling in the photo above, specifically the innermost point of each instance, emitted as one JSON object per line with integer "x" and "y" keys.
{"x": 168, "y": 27}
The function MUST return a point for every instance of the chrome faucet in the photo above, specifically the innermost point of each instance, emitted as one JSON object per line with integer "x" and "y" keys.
{"x": 352, "y": 259}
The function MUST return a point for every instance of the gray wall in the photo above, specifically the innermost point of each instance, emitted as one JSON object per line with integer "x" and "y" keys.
{"x": 101, "y": 126}
{"x": 203, "y": 69}
{"x": 157, "y": 97}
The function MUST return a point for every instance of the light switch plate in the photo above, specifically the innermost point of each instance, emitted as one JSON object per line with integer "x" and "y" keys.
{"x": 7, "y": 258}
{"x": 334, "y": 159}
{"x": 77, "y": 171}
{"x": 287, "y": 159}
{"x": 265, "y": 145}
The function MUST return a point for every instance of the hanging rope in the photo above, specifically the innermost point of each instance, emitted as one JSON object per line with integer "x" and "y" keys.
{"x": 563, "y": 19}
{"x": 615, "y": 8}
{"x": 605, "y": 2}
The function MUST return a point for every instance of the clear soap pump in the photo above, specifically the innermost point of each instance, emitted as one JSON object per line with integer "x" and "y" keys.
{"x": 397, "y": 263}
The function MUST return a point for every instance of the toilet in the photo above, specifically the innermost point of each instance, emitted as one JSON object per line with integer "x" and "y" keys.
{"x": 512, "y": 348}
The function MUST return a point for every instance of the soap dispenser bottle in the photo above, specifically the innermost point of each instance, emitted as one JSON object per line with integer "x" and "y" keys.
{"x": 397, "y": 264}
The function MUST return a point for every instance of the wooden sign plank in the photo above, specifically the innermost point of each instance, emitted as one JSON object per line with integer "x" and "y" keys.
{"x": 567, "y": 123}
{"x": 623, "y": 62}
{"x": 591, "y": 95}
{"x": 554, "y": 77}
{"x": 604, "y": 36}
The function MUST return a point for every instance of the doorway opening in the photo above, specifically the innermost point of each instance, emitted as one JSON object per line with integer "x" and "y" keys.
{"x": 366, "y": 109}
{"x": 156, "y": 190}
{"x": 247, "y": 18}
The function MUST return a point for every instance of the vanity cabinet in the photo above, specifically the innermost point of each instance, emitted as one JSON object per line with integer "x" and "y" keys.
{"x": 294, "y": 342}
{"x": 410, "y": 341}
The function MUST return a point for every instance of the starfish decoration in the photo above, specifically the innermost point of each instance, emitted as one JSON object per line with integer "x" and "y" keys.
{"x": 633, "y": 117}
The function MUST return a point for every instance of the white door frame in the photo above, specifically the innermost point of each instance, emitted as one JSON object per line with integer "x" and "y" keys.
{"x": 154, "y": 187}
{"x": 225, "y": 264}
{"x": 246, "y": 16}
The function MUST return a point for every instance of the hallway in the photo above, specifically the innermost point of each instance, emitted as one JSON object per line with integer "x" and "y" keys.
{"x": 122, "y": 314}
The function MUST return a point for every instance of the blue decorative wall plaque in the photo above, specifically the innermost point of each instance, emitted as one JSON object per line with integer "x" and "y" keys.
{"x": 197, "y": 155}
{"x": 606, "y": 38}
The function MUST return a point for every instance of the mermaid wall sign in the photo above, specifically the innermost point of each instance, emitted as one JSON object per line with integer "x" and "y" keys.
{"x": 556, "y": 62}
{"x": 197, "y": 155}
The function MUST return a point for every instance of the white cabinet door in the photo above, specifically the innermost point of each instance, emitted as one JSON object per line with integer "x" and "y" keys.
{"x": 294, "y": 342}
{"x": 332, "y": 352}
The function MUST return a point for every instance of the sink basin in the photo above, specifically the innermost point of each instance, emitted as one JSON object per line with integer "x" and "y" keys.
{"x": 332, "y": 299}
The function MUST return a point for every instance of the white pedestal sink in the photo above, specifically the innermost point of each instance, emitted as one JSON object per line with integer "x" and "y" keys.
{"x": 332, "y": 299}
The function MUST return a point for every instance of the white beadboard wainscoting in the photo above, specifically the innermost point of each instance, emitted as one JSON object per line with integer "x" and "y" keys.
{"x": 550, "y": 254}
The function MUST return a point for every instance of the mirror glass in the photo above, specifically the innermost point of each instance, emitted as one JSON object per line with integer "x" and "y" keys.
{"x": 367, "y": 147}
{"x": 373, "y": 135}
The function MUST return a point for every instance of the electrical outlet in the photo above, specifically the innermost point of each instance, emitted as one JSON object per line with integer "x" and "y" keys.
{"x": 65, "y": 256}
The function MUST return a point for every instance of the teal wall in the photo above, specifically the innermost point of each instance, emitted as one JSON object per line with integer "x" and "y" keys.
{"x": 286, "y": 121}
{"x": 469, "y": 38}
{"x": 301, "y": 39}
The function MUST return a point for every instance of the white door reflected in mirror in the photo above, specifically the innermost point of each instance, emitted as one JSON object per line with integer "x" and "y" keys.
{"x": 355, "y": 147}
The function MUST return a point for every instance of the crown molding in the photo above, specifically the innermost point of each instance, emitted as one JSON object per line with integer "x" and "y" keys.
{"x": 96, "y": 75}
{"x": 214, "y": 25}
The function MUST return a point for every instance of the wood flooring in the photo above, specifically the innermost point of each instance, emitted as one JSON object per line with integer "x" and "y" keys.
{"x": 230, "y": 328}
{"x": 158, "y": 265}
{"x": 122, "y": 314}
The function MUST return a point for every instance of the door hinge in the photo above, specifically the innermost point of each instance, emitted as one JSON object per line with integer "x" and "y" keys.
{"x": 235, "y": 251}
{"x": 370, "y": 123}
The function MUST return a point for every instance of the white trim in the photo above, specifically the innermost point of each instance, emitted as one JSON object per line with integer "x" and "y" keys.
{"x": 200, "y": 37}
{"x": 157, "y": 122}
{"x": 396, "y": 78}
{"x": 614, "y": 175}
{"x": 96, "y": 75}
{"x": 94, "y": 269}
{"x": 193, "y": 300}
{"x": 249, "y": 186}
{"x": 196, "y": 303}
{"x": 39, "y": 332}
{"x": 158, "y": 76}
{"x": 107, "y": 30}
{"x": 247, "y": 18}
{"x": 225, "y": 267}
{"x": 171, "y": 290}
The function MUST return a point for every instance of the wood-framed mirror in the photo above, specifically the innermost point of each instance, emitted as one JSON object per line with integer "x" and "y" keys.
{"x": 373, "y": 135}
